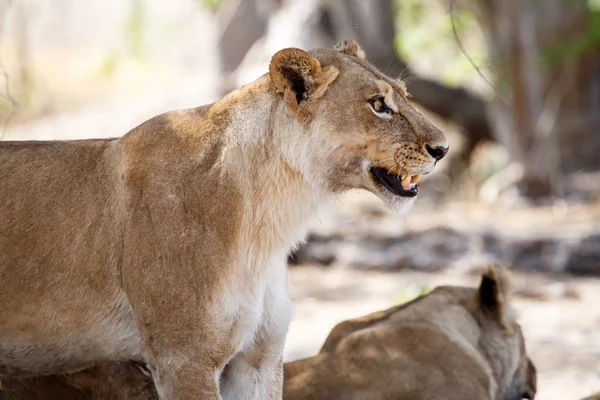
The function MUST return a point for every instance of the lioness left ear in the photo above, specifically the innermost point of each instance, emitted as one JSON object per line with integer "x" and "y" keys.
{"x": 351, "y": 48}
{"x": 298, "y": 76}
{"x": 493, "y": 292}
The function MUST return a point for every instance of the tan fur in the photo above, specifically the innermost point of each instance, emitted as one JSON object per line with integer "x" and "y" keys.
{"x": 168, "y": 245}
{"x": 351, "y": 48}
{"x": 445, "y": 345}
{"x": 442, "y": 345}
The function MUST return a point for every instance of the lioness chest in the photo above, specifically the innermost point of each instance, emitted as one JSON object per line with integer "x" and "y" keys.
{"x": 258, "y": 304}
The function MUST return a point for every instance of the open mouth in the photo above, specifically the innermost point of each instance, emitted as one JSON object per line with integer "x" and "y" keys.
{"x": 404, "y": 186}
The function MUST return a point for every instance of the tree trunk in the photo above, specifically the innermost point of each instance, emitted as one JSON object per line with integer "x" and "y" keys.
{"x": 547, "y": 69}
{"x": 241, "y": 23}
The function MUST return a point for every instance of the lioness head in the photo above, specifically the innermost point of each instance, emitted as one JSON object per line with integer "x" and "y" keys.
{"x": 360, "y": 129}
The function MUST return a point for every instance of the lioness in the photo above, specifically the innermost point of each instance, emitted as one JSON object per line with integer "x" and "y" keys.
{"x": 454, "y": 343}
{"x": 168, "y": 245}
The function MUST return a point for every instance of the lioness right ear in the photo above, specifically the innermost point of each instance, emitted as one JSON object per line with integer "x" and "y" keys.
{"x": 493, "y": 292}
{"x": 298, "y": 76}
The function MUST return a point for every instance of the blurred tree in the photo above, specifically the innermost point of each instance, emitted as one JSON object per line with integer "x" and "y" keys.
{"x": 546, "y": 63}
{"x": 242, "y": 22}
{"x": 23, "y": 86}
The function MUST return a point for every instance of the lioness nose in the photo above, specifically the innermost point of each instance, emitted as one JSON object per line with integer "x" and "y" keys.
{"x": 437, "y": 152}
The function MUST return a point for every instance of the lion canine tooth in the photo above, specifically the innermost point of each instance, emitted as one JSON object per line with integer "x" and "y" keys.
{"x": 406, "y": 182}
{"x": 415, "y": 179}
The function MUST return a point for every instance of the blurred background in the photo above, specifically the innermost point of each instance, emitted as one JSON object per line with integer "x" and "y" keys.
{"x": 514, "y": 84}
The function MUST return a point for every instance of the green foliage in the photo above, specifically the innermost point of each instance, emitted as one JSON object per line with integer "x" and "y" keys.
{"x": 133, "y": 32}
{"x": 426, "y": 33}
{"x": 135, "y": 26}
{"x": 412, "y": 292}
{"x": 212, "y": 5}
{"x": 109, "y": 65}
{"x": 574, "y": 46}
{"x": 425, "y": 30}
{"x": 410, "y": 15}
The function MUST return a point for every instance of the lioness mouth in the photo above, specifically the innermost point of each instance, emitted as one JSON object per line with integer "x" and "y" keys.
{"x": 405, "y": 186}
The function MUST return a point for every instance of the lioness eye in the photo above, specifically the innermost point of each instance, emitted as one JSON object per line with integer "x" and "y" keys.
{"x": 379, "y": 106}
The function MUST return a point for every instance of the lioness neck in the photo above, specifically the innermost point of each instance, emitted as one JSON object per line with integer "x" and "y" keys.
{"x": 263, "y": 153}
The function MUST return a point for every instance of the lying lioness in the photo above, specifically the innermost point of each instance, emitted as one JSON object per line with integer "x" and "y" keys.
{"x": 454, "y": 343}
{"x": 168, "y": 245}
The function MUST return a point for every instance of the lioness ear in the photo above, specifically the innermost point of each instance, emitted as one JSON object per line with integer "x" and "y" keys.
{"x": 298, "y": 76}
{"x": 493, "y": 292}
{"x": 350, "y": 47}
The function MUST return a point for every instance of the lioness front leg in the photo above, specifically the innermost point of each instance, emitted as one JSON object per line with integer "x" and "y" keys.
{"x": 256, "y": 373}
{"x": 185, "y": 339}
{"x": 247, "y": 377}
{"x": 186, "y": 361}
{"x": 192, "y": 379}
{"x": 186, "y": 351}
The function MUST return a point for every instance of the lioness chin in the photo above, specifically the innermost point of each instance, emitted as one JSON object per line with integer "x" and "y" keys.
{"x": 168, "y": 245}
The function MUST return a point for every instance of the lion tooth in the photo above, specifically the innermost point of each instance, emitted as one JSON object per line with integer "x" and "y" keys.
{"x": 415, "y": 179}
{"x": 406, "y": 182}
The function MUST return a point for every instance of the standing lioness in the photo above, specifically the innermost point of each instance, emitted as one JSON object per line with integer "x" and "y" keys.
{"x": 168, "y": 245}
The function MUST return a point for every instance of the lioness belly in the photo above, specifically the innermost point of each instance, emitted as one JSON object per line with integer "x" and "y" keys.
{"x": 54, "y": 342}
